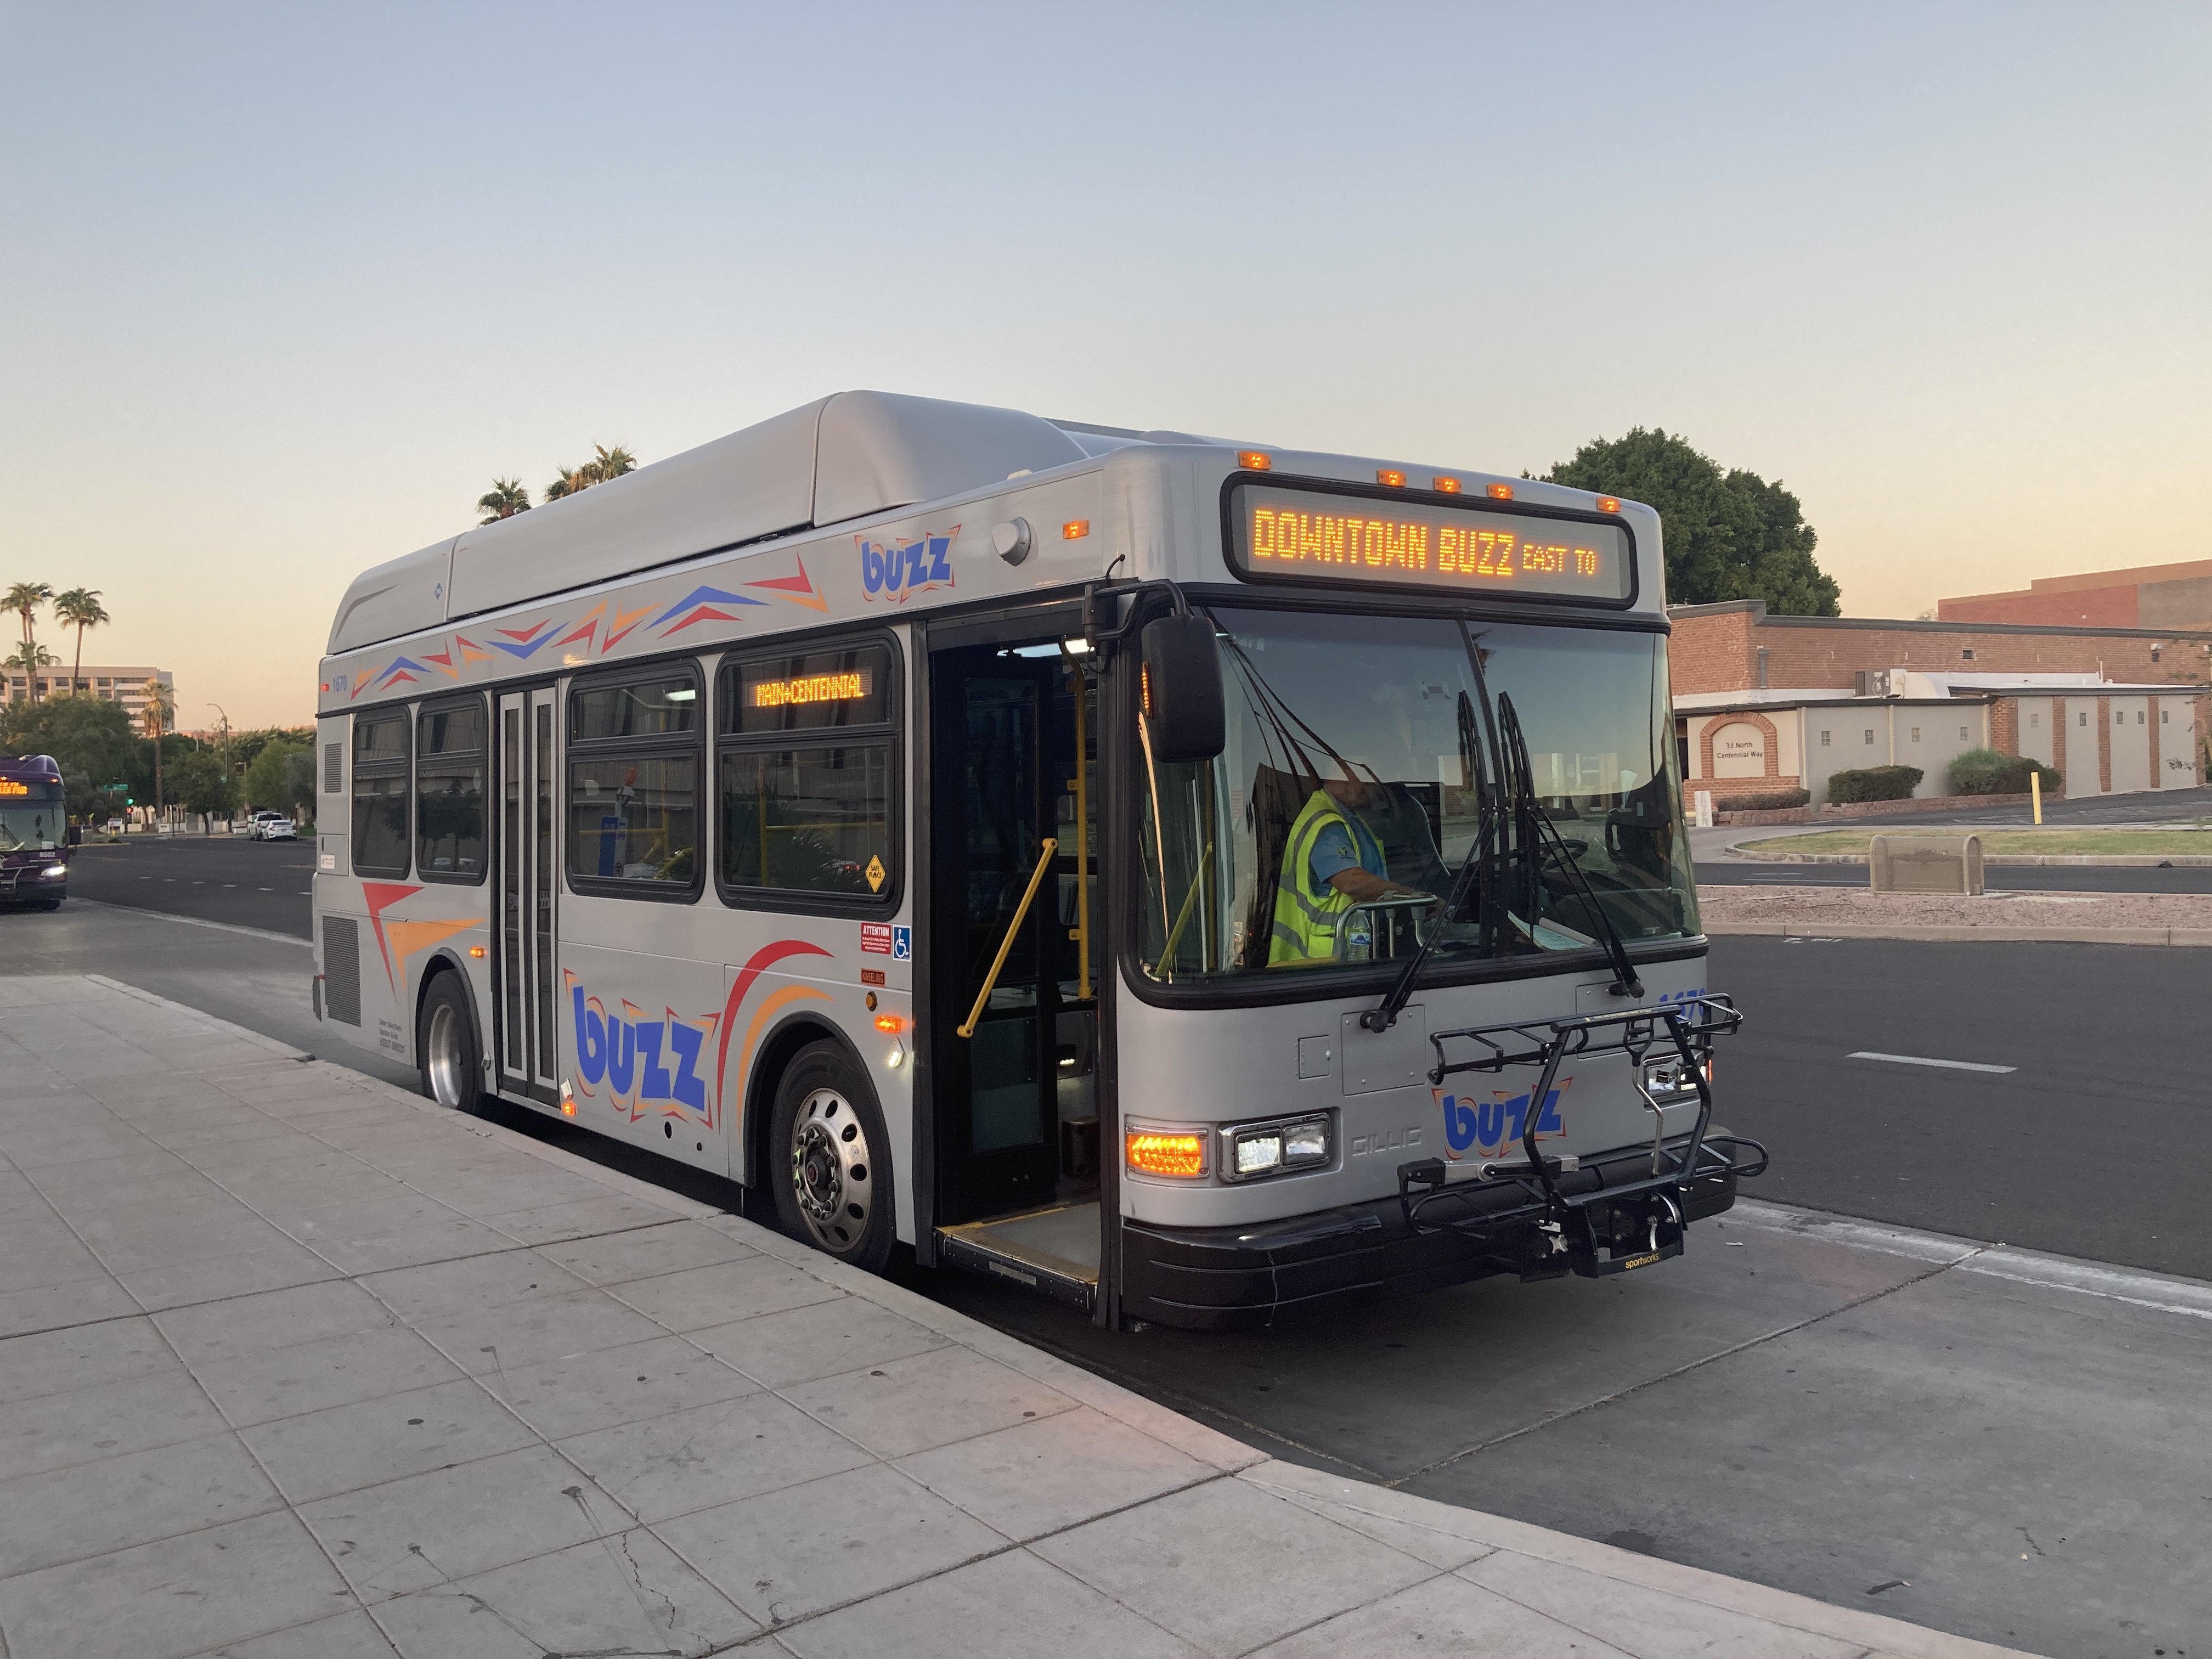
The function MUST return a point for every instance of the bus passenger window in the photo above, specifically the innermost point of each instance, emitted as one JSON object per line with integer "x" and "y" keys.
{"x": 449, "y": 790}
{"x": 379, "y": 794}
{"x": 634, "y": 785}
{"x": 802, "y": 816}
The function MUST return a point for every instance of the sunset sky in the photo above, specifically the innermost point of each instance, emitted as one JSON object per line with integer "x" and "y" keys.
{"x": 282, "y": 288}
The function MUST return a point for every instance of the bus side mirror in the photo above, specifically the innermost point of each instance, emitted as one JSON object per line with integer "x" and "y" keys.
{"x": 1180, "y": 685}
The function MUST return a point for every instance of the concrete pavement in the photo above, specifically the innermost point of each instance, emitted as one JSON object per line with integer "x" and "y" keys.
{"x": 295, "y": 1363}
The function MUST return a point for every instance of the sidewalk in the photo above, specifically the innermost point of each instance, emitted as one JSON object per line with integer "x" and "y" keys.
{"x": 293, "y": 1365}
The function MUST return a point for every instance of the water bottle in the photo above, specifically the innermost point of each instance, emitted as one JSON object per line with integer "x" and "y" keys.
{"x": 1359, "y": 937}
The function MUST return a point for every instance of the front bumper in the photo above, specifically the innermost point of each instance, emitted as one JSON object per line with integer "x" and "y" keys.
{"x": 1240, "y": 1278}
{"x": 25, "y": 883}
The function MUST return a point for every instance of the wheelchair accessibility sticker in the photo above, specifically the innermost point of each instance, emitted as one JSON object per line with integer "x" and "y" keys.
{"x": 1489, "y": 1127}
{"x": 902, "y": 944}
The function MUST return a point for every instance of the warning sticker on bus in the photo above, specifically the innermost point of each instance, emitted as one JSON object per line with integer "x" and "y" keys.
{"x": 876, "y": 938}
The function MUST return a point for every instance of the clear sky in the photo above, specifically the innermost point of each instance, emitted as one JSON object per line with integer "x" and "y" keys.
{"x": 282, "y": 287}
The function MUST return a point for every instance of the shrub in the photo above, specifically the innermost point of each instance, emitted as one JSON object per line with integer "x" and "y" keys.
{"x": 1874, "y": 783}
{"x": 1987, "y": 772}
{"x": 1772, "y": 800}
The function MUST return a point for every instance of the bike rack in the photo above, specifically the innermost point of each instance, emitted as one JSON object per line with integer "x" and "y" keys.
{"x": 1554, "y": 1223}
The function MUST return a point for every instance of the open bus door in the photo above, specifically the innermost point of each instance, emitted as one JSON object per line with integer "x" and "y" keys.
{"x": 1015, "y": 915}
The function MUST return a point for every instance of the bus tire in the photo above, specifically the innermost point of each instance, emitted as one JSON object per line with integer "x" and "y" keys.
{"x": 829, "y": 1159}
{"x": 446, "y": 1047}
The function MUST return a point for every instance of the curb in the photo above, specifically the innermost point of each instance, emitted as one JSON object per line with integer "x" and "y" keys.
{"x": 2077, "y": 861}
{"x": 1961, "y": 934}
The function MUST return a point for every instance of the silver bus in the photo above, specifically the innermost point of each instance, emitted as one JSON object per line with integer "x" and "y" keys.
{"x": 1201, "y": 882}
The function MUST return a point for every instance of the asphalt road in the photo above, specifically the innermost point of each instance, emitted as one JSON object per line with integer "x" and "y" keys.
{"x": 1998, "y": 877}
{"x": 248, "y": 883}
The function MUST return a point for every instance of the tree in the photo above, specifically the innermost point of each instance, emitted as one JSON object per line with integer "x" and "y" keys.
{"x": 607, "y": 464}
{"x": 273, "y": 783}
{"x": 24, "y": 599}
{"x": 1729, "y": 535}
{"x": 159, "y": 707}
{"x": 80, "y": 608}
{"x": 85, "y": 734}
{"x": 32, "y": 655}
{"x": 204, "y": 786}
{"x": 506, "y": 498}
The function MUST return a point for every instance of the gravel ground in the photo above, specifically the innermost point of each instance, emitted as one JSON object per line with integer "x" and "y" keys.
{"x": 1815, "y": 907}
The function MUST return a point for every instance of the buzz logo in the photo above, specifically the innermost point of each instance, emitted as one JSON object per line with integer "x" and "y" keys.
{"x": 1489, "y": 1128}
{"x": 898, "y": 570}
{"x": 646, "y": 1065}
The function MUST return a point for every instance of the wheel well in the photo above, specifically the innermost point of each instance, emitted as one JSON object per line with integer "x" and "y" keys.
{"x": 440, "y": 966}
{"x": 777, "y": 1051}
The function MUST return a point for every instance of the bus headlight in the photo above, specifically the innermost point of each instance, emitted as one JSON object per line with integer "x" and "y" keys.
{"x": 54, "y": 872}
{"x": 1254, "y": 1150}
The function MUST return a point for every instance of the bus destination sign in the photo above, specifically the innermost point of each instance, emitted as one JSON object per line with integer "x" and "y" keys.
{"x": 1305, "y": 535}
{"x": 846, "y": 686}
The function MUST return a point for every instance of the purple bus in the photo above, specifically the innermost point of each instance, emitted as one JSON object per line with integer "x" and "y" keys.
{"x": 34, "y": 833}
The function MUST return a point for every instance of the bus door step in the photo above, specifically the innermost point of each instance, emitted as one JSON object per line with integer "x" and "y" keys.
{"x": 1018, "y": 1250}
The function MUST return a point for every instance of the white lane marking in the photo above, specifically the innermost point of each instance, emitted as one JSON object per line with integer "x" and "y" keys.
{"x": 2160, "y": 1292}
{"x": 194, "y": 921}
{"x": 1921, "y": 1060}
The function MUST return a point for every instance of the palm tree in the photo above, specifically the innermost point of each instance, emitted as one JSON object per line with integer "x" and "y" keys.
{"x": 24, "y": 599}
{"x": 159, "y": 705}
{"x": 79, "y": 608}
{"x": 607, "y": 464}
{"x": 572, "y": 479}
{"x": 31, "y": 657}
{"x": 506, "y": 498}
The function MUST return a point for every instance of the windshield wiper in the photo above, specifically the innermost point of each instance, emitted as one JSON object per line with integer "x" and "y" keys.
{"x": 1532, "y": 825}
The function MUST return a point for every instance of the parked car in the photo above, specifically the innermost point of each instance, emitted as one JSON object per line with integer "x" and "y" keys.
{"x": 278, "y": 828}
{"x": 259, "y": 822}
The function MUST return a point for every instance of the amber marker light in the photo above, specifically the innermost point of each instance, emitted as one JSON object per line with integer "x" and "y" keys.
{"x": 1499, "y": 492}
{"x": 477, "y": 951}
{"x": 1255, "y": 460}
{"x": 890, "y": 1023}
{"x": 1608, "y": 503}
{"x": 1444, "y": 486}
{"x": 567, "y": 1109}
{"x": 1394, "y": 479}
{"x": 1152, "y": 1153}
{"x": 1075, "y": 530}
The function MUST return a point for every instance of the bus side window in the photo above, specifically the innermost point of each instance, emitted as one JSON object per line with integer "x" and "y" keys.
{"x": 380, "y": 793}
{"x": 449, "y": 790}
{"x": 633, "y": 766}
{"x": 807, "y": 765}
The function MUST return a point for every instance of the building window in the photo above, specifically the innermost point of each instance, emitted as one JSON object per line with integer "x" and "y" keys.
{"x": 2166, "y": 717}
{"x": 2139, "y": 717}
{"x": 449, "y": 790}
{"x": 1869, "y": 734}
{"x": 1915, "y": 734}
{"x": 1967, "y": 654}
{"x": 2154, "y": 650}
{"x": 812, "y": 817}
{"x": 1962, "y": 734}
{"x": 2035, "y": 721}
{"x": 2119, "y": 717}
{"x": 2082, "y": 719}
{"x": 1824, "y": 739}
{"x": 379, "y": 794}
{"x": 634, "y": 785}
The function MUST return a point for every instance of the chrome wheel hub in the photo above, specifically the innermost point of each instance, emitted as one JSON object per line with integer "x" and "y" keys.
{"x": 445, "y": 1056}
{"x": 830, "y": 1174}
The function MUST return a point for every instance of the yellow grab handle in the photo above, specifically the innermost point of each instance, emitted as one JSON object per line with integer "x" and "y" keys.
{"x": 1045, "y": 851}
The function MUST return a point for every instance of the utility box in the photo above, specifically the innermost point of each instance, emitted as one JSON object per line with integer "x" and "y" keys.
{"x": 1924, "y": 864}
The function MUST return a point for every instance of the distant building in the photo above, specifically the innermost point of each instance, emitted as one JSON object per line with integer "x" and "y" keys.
{"x": 1765, "y": 704}
{"x": 2176, "y": 596}
{"x": 124, "y": 686}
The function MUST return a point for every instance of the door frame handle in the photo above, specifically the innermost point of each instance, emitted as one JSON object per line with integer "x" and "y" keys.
{"x": 1046, "y": 848}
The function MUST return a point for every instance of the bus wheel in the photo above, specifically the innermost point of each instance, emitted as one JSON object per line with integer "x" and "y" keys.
{"x": 831, "y": 1166}
{"x": 446, "y": 1047}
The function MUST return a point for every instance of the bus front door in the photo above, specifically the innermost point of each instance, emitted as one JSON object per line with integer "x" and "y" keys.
{"x": 524, "y": 872}
{"x": 1015, "y": 1018}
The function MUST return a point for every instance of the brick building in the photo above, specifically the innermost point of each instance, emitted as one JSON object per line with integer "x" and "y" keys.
{"x": 1765, "y": 704}
{"x": 2149, "y": 596}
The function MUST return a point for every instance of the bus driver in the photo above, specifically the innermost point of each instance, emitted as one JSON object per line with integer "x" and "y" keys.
{"x": 1332, "y": 861}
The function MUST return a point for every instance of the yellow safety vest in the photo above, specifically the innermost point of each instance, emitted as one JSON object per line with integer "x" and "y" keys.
{"x": 1306, "y": 915}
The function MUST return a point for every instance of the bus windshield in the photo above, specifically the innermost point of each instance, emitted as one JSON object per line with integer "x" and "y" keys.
{"x": 30, "y": 829}
{"x": 1368, "y": 756}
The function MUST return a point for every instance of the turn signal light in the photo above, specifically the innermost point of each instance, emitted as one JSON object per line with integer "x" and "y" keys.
{"x": 1444, "y": 486}
{"x": 1153, "y": 1153}
{"x": 1392, "y": 476}
{"x": 1075, "y": 530}
{"x": 890, "y": 1023}
{"x": 1499, "y": 492}
{"x": 1608, "y": 503}
{"x": 1254, "y": 460}
{"x": 477, "y": 951}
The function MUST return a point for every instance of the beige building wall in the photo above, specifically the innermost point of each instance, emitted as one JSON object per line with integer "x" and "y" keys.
{"x": 124, "y": 686}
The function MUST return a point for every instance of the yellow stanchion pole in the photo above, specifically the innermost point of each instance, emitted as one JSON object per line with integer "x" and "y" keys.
{"x": 2035, "y": 793}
